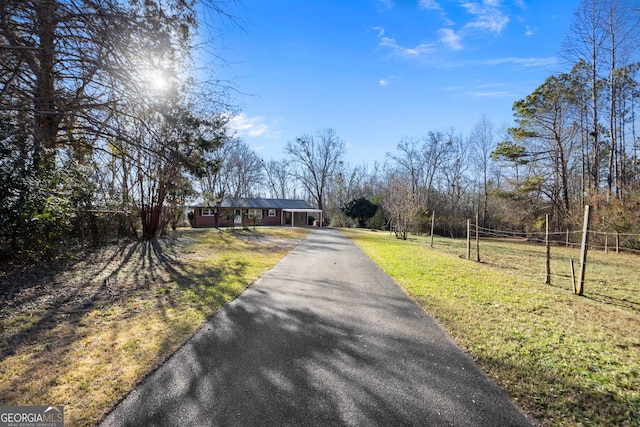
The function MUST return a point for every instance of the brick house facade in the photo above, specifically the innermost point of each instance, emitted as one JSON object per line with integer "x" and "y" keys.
{"x": 242, "y": 211}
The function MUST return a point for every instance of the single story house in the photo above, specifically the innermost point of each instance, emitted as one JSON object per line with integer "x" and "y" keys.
{"x": 245, "y": 210}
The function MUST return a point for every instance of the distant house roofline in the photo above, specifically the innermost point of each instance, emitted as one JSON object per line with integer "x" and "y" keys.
{"x": 257, "y": 203}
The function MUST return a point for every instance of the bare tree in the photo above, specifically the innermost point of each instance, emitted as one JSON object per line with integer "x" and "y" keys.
{"x": 409, "y": 161}
{"x": 454, "y": 174}
{"x": 421, "y": 159}
{"x": 279, "y": 177}
{"x": 317, "y": 158}
{"x": 242, "y": 169}
{"x": 347, "y": 185}
{"x": 586, "y": 42}
{"x": 482, "y": 142}
{"x": 436, "y": 151}
{"x": 620, "y": 27}
{"x": 400, "y": 204}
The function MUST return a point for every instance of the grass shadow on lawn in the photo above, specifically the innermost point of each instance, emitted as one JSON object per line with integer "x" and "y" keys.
{"x": 84, "y": 333}
{"x": 560, "y": 400}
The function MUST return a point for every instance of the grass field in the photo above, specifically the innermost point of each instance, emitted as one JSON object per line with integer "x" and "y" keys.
{"x": 565, "y": 359}
{"x": 610, "y": 277}
{"x": 83, "y": 334}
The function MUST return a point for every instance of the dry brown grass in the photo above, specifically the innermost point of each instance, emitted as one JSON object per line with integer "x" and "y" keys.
{"x": 83, "y": 333}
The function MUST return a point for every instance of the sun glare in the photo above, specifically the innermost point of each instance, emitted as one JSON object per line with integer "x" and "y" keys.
{"x": 158, "y": 80}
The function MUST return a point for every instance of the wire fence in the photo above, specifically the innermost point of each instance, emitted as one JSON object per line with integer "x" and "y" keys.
{"x": 612, "y": 268}
{"x": 598, "y": 240}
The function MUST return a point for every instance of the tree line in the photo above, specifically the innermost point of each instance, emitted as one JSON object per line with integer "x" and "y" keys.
{"x": 108, "y": 128}
{"x": 573, "y": 142}
{"x": 103, "y": 117}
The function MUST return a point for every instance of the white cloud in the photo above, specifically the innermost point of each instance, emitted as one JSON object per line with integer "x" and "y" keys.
{"x": 430, "y": 4}
{"x": 383, "y": 82}
{"x": 525, "y": 62}
{"x": 490, "y": 85}
{"x": 407, "y": 52}
{"x": 447, "y": 22}
{"x": 520, "y": 4}
{"x": 490, "y": 94}
{"x": 388, "y": 42}
{"x": 388, "y": 4}
{"x": 380, "y": 30}
{"x": 252, "y": 127}
{"x": 481, "y": 91}
{"x": 488, "y": 15}
{"x": 450, "y": 38}
{"x": 529, "y": 31}
{"x": 451, "y": 88}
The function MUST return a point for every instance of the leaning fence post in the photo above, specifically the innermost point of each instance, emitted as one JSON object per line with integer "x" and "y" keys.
{"x": 583, "y": 251}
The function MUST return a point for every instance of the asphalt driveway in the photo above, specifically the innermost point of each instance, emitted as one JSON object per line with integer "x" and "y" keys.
{"x": 324, "y": 338}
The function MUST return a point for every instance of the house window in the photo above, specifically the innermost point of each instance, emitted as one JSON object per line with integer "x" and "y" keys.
{"x": 207, "y": 212}
{"x": 255, "y": 212}
{"x": 272, "y": 213}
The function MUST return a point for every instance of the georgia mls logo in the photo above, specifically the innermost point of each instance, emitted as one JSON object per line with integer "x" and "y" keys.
{"x": 31, "y": 416}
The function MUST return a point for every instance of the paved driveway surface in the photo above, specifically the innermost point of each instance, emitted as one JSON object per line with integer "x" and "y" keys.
{"x": 324, "y": 338}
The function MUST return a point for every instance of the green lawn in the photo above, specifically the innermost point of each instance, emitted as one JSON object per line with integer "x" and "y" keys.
{"x": 566, "y": 360}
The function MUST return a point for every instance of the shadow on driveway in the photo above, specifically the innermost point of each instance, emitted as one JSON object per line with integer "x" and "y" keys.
{"x": 324, "y": 338}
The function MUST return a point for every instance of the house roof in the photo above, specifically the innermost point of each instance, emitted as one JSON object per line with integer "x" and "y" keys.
{"x": 260, "y": 203}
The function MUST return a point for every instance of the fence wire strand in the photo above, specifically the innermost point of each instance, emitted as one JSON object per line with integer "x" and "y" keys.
{"x": 612, "y": 277}
{"x": 610, "y": 240}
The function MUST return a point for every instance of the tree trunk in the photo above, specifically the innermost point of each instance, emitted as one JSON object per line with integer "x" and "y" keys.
{"x": 45, "y": 117}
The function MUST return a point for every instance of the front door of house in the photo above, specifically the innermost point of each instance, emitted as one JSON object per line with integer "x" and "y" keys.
{"x": 237, "y": 220}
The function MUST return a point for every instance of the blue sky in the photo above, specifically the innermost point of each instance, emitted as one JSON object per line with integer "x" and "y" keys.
{"x": 379, "y": 70}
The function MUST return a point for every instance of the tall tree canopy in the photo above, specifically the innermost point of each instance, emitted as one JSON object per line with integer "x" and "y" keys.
{"x": 87, "y": 90}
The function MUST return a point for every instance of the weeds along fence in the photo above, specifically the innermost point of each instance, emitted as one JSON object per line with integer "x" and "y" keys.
{"x": 600, "y": 265}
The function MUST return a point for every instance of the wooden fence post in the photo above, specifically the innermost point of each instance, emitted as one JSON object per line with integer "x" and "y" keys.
{"x": 433, "y": 222}
{"x": 547, "y": 279}
{"x": 583, "y": 251}
{"x": 468, "y": 239}
{"x": 617, "y": 242}
{"x": 477, "y": 237}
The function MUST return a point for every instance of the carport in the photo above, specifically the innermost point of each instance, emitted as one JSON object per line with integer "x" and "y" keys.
{"x": 307, "y": 211}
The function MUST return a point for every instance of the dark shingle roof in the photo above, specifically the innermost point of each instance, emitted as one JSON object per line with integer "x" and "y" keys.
{"x": 259, "y": 203}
